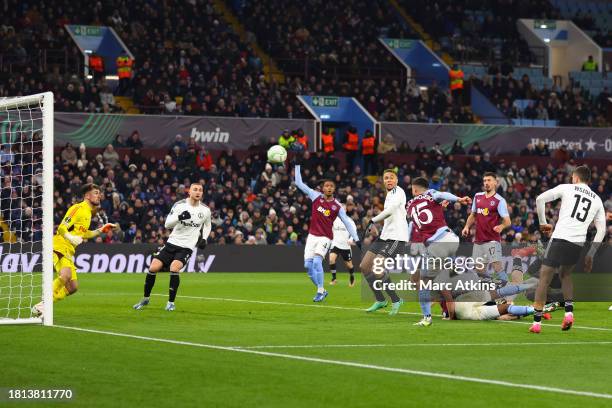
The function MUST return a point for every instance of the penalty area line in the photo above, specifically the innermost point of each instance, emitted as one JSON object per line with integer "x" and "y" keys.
{"x": 348, "y": 364}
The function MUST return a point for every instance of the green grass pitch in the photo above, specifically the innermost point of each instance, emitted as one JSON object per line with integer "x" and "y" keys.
{"x": 231, "y": 341}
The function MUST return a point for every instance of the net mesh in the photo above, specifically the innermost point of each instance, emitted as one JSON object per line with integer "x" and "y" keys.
{"x": 21, "y": 169}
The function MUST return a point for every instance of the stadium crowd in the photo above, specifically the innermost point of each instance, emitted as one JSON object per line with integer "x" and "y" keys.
{"x": 570, "y": 105}
{"x": 191, "y": 62}
{"x": 254, "y": 202}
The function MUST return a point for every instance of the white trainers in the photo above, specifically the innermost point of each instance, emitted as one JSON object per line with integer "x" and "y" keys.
{"x": 425, "y": 321}
{"x": 170, "y": 307}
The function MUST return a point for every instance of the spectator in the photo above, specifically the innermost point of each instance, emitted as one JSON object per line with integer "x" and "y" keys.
{"x": 82, "y": 156}
{"x": 457, "y": 147}
{"x": 204, "y": 160}
{"x": 118, "y": 141}
{"x": 475, "y": 149}
{"x": 386, "y": 145}
{"x": 180, "y": 143}
{"x": 110, "y": 156}
{"x": 561, "y": 154}
{"x": 134, "y": 141}
{"x": 420, "y": 148}
{"x": 529, "y": 150}
{"x": 69, "y": 155}
{"x": 542, "y": 149}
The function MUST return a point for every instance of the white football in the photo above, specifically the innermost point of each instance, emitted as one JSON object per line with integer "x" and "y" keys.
{"x": 277, "y": 154}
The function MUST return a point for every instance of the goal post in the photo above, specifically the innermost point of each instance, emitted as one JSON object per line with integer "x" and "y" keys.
{"x": 26, "y": 208}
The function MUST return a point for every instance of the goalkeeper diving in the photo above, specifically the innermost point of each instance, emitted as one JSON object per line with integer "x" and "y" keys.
{"x": 73, "y": 231}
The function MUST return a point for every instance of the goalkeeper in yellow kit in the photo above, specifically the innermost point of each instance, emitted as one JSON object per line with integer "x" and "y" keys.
{"x": 73, "y": 229}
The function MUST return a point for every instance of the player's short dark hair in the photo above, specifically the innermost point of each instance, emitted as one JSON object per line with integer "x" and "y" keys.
{"x": 583, "y": 173}
{"x": 323, "y": 181}
{"x": 89, "y": 187}
{"x": 489, "y": 174}
{"x": 421, "y": 182}
{"x": 390, "y": 171}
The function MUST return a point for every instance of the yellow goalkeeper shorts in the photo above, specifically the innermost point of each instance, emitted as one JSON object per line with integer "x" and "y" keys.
{"x": 62, "y": 262}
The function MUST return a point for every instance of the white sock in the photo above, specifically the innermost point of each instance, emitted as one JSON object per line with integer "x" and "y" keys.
{"x": 320, "y": 290}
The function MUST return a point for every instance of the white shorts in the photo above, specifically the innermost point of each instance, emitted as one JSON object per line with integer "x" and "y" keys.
{"x": 316, "y": 246}
{"x": 489, "y": 252}
{"x": 475, "y": 311}
{"x": 443, "y": 247}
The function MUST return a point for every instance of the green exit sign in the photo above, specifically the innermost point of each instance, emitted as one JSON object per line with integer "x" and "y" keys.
{"x": 93, "y": 31}
{"x": 325, "y": 101}
{"x": 398, "y": 43}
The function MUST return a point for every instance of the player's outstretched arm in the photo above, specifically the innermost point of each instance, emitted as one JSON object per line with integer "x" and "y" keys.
{"x": 440, "y": 196}
{"x": 312, "y": 194}
{"x": 349, "y": 224}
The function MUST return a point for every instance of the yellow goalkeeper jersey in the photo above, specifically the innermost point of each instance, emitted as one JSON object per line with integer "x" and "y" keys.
{"x": 76, "y": 222}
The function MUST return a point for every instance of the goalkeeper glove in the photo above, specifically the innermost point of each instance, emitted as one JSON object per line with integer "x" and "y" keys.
{"x": 106, "y": 228}
{"x": 75, "y": 240}
{"x": 185, "y": 215}
{"x": 202, "y": 243}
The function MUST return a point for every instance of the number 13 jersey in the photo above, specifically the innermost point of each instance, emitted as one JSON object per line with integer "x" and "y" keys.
{"x": 579, "y": 207}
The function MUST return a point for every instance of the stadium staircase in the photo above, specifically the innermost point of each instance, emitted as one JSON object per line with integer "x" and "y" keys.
{"x": 430, "y": 42}
{"x": 127, "y": 104}
{"x": 269, "y": 66}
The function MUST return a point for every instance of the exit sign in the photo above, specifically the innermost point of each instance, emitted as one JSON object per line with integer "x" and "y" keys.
{"x": 325, "y": 101}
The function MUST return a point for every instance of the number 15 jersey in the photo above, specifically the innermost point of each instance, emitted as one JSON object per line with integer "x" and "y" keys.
{"x": 427, "y": 216}
{"x": 579, "y": 207}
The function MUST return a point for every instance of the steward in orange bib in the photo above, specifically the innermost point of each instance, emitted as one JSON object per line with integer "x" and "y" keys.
{"x": 124, "y": 72}
{"x": 302, "y": 139}
{"x": 456, "y": 83}
{"x": 328, "y": 141}
{"x": 368, "y": 151}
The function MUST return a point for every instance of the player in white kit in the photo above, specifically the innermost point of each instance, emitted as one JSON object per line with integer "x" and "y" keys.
{"x": 393, "y": 240}
{"x": 579, "y": 207}
{"x": 190, "y": 221}
{"x": 341, "y": 246}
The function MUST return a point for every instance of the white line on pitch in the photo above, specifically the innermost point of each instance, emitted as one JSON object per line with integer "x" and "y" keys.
{"x": 265, "y": 302}
{"x": 313, "y": 346}
{"x": 351, "y": 364}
